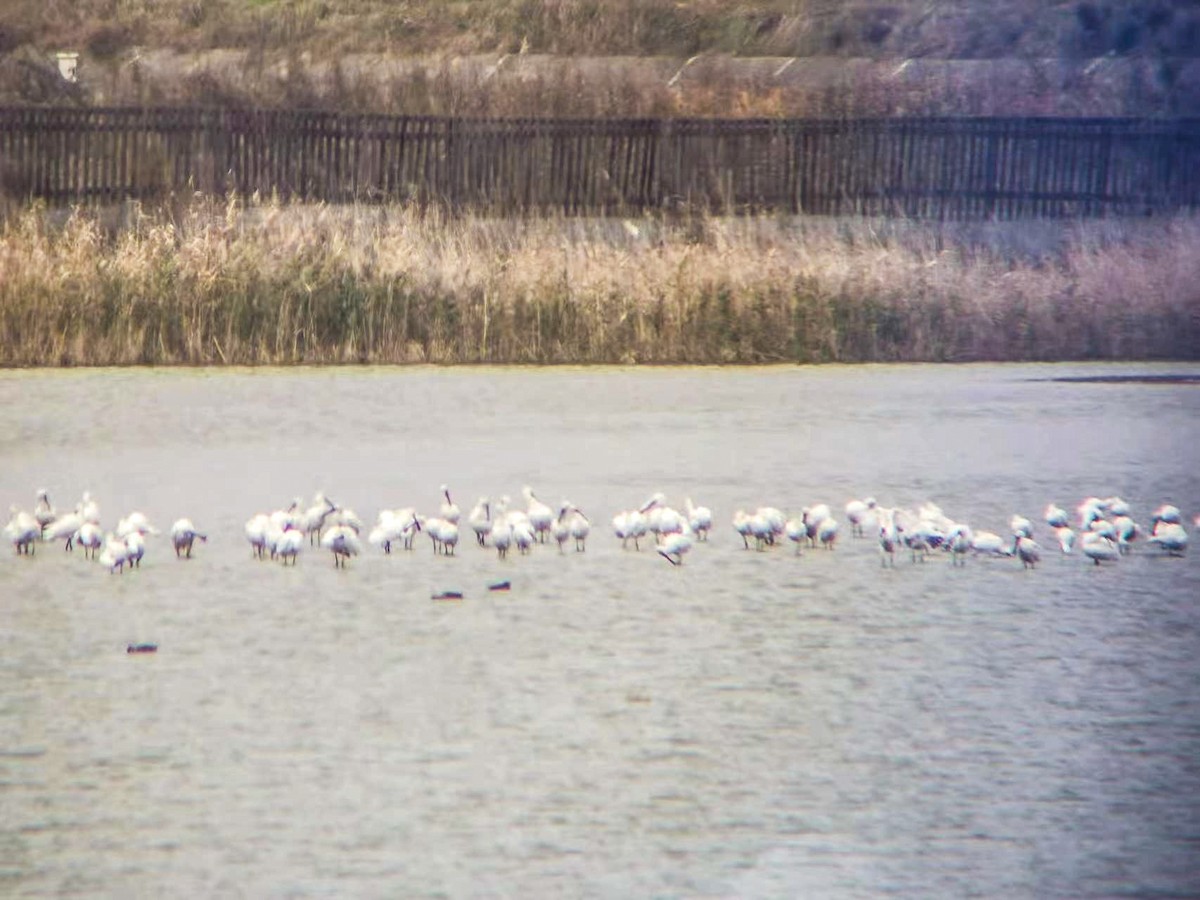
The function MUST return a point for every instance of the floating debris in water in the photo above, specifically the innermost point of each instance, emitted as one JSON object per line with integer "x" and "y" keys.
{"x": 1124, "y": 379}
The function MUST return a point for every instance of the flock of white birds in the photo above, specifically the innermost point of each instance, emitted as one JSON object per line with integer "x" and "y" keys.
{"x": 1103, "y": 529}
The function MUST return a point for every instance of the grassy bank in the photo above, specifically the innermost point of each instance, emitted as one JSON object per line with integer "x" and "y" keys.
{"x": 950, "y": 28}
{"x": 612, "y": 57}
{"x": 261, "y": 283}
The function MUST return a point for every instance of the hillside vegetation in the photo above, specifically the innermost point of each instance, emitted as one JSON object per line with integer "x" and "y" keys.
{"x": 959, "y": 29}
{"x": 614, "y": 57}
{"x": 202, "y": 280}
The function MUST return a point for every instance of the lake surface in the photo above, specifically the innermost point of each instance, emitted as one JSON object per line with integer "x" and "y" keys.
{"x": 745, "y": 725}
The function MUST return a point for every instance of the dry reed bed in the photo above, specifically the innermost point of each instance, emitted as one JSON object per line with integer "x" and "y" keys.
{"x": 263, "y": 283}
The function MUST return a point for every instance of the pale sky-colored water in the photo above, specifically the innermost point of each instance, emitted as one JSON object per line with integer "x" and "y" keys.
{"x": 747, "y": 725}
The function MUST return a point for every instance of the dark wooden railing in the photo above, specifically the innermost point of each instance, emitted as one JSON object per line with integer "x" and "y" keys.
{"x": 916, "y": 167}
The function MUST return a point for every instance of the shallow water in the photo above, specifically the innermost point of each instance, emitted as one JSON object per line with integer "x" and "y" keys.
{"x": 747, "y": 725}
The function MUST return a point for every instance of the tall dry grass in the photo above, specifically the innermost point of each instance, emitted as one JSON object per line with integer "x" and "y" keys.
{"x": 264, "y": 283}
{"x": 962, "y": 29}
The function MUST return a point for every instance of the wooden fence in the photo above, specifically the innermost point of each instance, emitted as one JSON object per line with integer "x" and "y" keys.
{"x": 916, "y": 167}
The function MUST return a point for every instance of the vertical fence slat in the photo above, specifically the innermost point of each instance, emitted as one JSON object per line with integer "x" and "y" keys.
{"x": 927, "y": 168}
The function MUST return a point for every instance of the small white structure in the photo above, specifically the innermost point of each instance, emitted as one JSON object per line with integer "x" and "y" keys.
{"x": 68, "y": 64}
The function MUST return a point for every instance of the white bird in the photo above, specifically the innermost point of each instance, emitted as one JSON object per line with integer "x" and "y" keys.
{"x": 579, "y": 527}
{"x": 918, "y": 543}
{"x": 827, "y": 532}
{"x": 813, "y": 517}
{"x": 660, "y": 518}
{"x": 676, "y": 545}
{"x": 91, "y": 509}
{"x": 1165, "y": 514}
{"x": 135, "y": 548}
{"x": 1172, "y": 537}
{"x": 796, "y": 531}
{"x": 524, "y": 536}
{"x": 1127, "y": 532}
{"x": 1055, "y": 516}
{"x": 448, "y": 536}
{"x": 500, "y": 535}
{"x": 776, "y": 522}
{"x": 856, "y": 514}
{"x": 313, "y": 521}
{"x": 43, "y": 511}
{"x": 135, "y": 521}
{"x": 1089, "y": 511}
{"x": 449, "y": 509}
{"x": 288, "y": 543}
{"x": 560, "y": 528}
{"x": 433, "y": 528}
{"x": 183, "y": 535}
{"x": 988, "y": 543}
{"x": 1021, "y": 526}
{"x": 762, "y": 530}
{"x": 932, "y": 514}
{"x": 291, "y": 518}
{"x": 256, "y": 529}
{"x": 888, "y": 539}
{"x": 343, "y": 541}
{"x": 1066, "y": 538}
{"x": 959, "y": 539}
{"x": 1116, "y": 506}
{"x": 1027, "y": 551}
{"x": 480, "y": 520}
{"x": 416, "y": 523}
{"x": 699, "y": 518}
{"x": 929, "y": 532}
{"x": 1098, "y": 547}
{"x": 391, "y": 526}
{"x": 540, "y": 515}
{"x": 345, "y": 517}
{"x": 115, "y": 553}
{"x": 23, "y": 530}
{"x": 66, "y": 526}
{"x": 89, "y": 537}
{"x": 629, "y": 525}
{"x": 741, "y": 524}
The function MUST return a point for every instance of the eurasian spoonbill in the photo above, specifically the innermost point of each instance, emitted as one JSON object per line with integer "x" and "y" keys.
{"x": 699, "y": 518}
{"x": 676, "y": 545}
{"x": 1027, "y": 551}
{"x": 23, "y": 530}
{"x": 480, "y": 520}
{"x": 43, "y": 511}
{"x": 1172, "y": 537}
{"x": 1098, "y": 547}
{"x": 857, "y": 512}
{"x": 1056, "y": 516}
{"x": 342, "y": 541}
{"x": 183, "y": 535}
{"x": 540, "y": 515}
